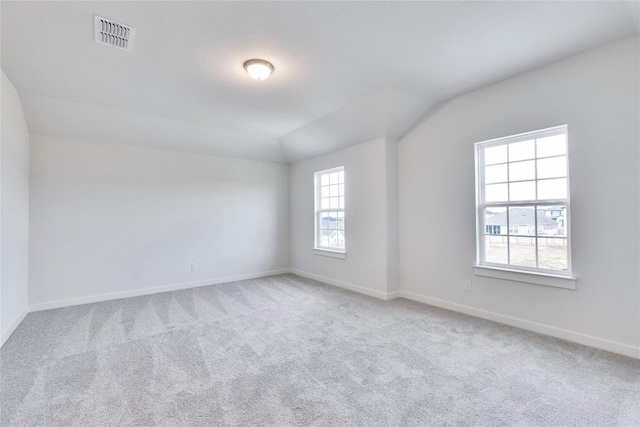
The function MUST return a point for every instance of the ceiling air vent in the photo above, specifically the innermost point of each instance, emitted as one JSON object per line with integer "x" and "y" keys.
{"x": 113, "y": 33}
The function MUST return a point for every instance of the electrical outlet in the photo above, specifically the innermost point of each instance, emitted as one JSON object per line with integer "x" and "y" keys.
{"x": 194, "y": 267}
{"x": 467, "y": 285}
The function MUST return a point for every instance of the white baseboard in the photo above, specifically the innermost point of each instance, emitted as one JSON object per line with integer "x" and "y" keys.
{"x": 154, "y": 290}
{"x": 613, "y": 347}
{"x": 13, "y": 326}
{"x": 603, "y": 344}
{"x": 350, "y": 286}
{"x": 393, "y": 295}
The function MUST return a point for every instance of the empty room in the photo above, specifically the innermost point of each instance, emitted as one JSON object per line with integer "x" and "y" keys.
{"x": 320, "y": 213}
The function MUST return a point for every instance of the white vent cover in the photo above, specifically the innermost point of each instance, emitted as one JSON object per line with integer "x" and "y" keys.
{"x": 113, "y": 33}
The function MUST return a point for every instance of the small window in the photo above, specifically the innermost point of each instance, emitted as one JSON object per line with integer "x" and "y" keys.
{"x": 522, "y": 185}
{"x": 330, "y": 212}
{"x": 492, "y": 229}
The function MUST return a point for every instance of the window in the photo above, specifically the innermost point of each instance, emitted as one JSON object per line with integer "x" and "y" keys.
{"x": 492, "y": 229}
{"x": 522, "y": 186}
{"x": 330, "y": 218}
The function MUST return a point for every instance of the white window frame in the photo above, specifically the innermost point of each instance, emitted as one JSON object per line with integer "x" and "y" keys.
{"x": 556, "y": 278}
{"x": 318, "y": 212}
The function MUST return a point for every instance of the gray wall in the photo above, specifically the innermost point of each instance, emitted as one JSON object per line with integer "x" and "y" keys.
{"x": 14, "y": 222}
{"x": 113, "y": 220}
{"x": 369, "y": 266}
{"x": 597, "y": 95}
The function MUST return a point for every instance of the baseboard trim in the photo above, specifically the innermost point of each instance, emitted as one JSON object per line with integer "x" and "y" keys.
{"x": 149, "y": 291}
{"x": 13, "y": 326}
{"x": 349, "y": 286}
{"x": 590, "y": 341}
{"x": 600, "y": 343}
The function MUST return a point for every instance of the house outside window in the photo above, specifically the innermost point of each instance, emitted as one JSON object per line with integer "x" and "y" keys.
{"x": 330, "y": 227}
{"x": 522, "y": 189}
{"x": 492, "y": 229}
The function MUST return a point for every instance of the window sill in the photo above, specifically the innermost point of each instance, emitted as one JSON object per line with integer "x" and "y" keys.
{"x": 544, "y": 279}
{"x": 330, "y": 253}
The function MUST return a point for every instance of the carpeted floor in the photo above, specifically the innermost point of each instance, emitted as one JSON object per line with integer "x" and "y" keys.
{"x": 290, "y": 351}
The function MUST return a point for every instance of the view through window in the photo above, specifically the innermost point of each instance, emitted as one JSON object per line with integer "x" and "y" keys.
{"x": 523, "y": 202}
{"x": 329, "y": 222}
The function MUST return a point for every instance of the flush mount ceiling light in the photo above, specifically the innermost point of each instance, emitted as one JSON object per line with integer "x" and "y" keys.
{"x": 259, "y": 69}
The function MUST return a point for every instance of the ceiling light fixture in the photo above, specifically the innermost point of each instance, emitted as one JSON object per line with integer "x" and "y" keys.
{"x": 259, "y": 69}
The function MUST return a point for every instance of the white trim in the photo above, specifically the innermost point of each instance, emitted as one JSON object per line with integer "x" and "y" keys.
{"x": 349, "y": 286}
{"x": 331, "y": 254}
{"x": 588, "y": 340}
{"x": 552, "y": 131}
{"x": 150, "y": 291}
{"x": 534, "y": 277}
{"x": 13, "y": 326}
{"x": 393, "y": 295}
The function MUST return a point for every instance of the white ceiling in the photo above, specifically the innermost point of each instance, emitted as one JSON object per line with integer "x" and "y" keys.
{"x": 345, "y": 72}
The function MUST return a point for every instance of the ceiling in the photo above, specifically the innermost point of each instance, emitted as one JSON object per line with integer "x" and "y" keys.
{"x": 345, "y": 72}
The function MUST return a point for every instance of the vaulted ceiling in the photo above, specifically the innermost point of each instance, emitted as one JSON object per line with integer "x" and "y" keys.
{"x": 345, "y": 72}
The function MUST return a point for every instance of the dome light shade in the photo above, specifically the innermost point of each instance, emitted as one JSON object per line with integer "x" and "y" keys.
{"x": 259, "y": 69}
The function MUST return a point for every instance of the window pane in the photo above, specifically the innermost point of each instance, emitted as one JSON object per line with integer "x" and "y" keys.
{"x": 333, "y": 203}
{"x": 552, "y": 146}
{"x": 341, "y": 202}
{"x": 522, "y": 221}
{"x": 334, "y": 190}
{"x": 521, "y": 171}
{"x": 341, "y": 190}
{"x": 334, "y": 178}
{"x": 522, "y": 191}
{"x": 496, "y": 173}
{"x": 324, "y": 179}
{"x": 324, "y": 203}
{"x": 552, "y": 189}
{"x": 552, "y": 167}
{"x": 552, "y": 254}
{"x": 522, "y": 251}
{"x": 332, "y": 241}
{"x": 324, "y": 191}
{"x": 341, "y": 176}
{"x": 495, "y": 220}
{"x": 552, "y": 221}
{"x": 340, "y": 239}
{"x": 522, "y": 151}
{"x": 494, "y": 155}
{"x": 495, "y": 249}
{"x": 324, "y": 221}
{"x": 333, "y": 220}
{"x": 340, "y": 220}
{"x": 324, "y": 240}
{"x": 496, "y": 193}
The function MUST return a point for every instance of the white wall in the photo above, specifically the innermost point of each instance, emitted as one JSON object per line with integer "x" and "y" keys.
{"x": 366, "y": 219}
{"x": 123, "y": 220}
{"x": 393, "y": 249}
{"x": 597, "y": 95}
{"x": 14, "y": 211}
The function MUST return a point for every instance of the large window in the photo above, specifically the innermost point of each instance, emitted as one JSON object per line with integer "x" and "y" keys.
{"x": 523, "y": 202}
{"x": 329, "y": 221}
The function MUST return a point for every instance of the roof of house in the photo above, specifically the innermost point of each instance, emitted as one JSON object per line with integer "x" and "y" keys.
{"x": 519, "y": 216}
